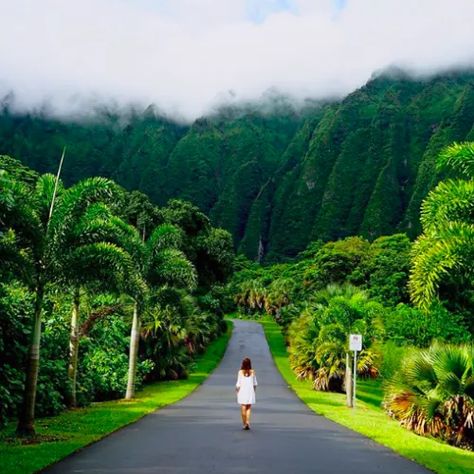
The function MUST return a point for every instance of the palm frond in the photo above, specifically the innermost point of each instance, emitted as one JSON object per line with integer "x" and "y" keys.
{"x": 436, "y": 256}
{"x": 171, "y": 267}
{"x": 449, "y": 201}
{"x": 458, "y": 157}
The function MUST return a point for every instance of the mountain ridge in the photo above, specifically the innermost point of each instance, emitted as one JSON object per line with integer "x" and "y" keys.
{"x": 358, "y": 166}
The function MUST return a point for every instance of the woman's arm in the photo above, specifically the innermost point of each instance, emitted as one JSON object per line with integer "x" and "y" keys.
{"x": 237, "y": 385}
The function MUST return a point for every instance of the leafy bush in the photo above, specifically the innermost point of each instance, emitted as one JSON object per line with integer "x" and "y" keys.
{"x": 287, "y": 314}
{"x": 104, "y": 361}
{"x": 384, "y": 269}
{"x": 433, "y": 393}
{"x": 218, "y": 300}
{"x": 52, "y": 387}
{"x": 391, "y": 355}
{"x": 16, "y": 307}
{"x": 406, "y": 325}
{"x": 335, "y": 262}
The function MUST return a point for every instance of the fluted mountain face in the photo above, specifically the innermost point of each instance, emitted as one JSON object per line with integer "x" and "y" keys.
{"x": 275, "y": 178}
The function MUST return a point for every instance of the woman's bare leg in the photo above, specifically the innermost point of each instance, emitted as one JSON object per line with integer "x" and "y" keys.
{"x": 248, "y": 409}
{"x": 243, "y": 413}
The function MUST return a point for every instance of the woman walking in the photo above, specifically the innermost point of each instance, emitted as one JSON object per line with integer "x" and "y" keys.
{"x": 246, "y": 386}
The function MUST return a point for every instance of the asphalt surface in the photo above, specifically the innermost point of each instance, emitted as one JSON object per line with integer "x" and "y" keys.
{"x": 203, "y": 432}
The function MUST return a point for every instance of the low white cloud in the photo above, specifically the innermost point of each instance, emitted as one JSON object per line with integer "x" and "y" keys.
{"x": 185, "y": 55}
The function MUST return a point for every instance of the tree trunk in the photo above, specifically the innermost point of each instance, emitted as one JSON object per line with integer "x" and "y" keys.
{"x": 74, "y": 348}
{"x": 26, "y": 417}
{"x": 132, "y": 365}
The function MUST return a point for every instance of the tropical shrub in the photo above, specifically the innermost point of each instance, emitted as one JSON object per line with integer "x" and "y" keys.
{"x": 104, "y": 361}
{"x": 433, "y": 393}
{"x": 174, "y": 330}
{"x": 335, "y": 262}
{"x": 287, "y": 314}
{"x": 319, "y": 337}
{"x": 406, "y": 325}
{"x": 384, "y": 269}
{"x": 16, "y": 308}
{"x": 250, "y": 296}
{"x": 302, "y": 334}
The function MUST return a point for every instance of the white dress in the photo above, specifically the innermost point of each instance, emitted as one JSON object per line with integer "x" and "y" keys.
{"x": 246, "y": 386}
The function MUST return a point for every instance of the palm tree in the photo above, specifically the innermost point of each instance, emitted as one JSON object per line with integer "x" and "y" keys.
{"x": 319, "y": 337}
{"x": 161, "y": 264}
{"x": 279, "y": 294}
{"x": 433, "y": 393}
{"x": 251, "y": 294}
{"x": 445, "y": 250}
{"x": 99, "y": 236}
{"x": 26, "y": 213}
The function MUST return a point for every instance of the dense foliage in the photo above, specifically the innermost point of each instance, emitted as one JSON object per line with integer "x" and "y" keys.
{"x": 111, "y": 290}
{"x": 433, "y": 393}
{"x": 417, "y": 331}
{"x": 444, "y": 253}
{"x": 275, "y": 178}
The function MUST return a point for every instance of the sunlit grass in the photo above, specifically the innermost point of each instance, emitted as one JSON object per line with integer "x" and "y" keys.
{"x": 75, "y": 429}
{"x": 368, "y": 417}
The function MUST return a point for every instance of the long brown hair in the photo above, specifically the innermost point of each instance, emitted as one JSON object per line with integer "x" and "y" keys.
{"x": 246, "y": 366}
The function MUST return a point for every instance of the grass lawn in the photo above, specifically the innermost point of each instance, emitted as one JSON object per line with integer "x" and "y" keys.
{"x": 368, "y": 418}
{"x": 75, "y": 429}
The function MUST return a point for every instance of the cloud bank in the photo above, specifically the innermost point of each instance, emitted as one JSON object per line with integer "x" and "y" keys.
{"x": 188, "y": 55}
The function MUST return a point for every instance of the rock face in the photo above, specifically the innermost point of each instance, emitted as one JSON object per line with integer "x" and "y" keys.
{"x": 277, "y": 178}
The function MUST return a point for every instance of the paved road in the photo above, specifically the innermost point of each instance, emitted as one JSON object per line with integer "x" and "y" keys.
{"x": 202, "y": 433}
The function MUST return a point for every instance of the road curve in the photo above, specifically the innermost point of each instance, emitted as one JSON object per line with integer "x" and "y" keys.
{"x": 202, "y": 433}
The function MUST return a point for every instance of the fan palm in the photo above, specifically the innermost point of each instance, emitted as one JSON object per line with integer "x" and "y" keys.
{"x": 251, "y": 294}
{"x": 279, "y": 294}
{"x": 433, "y": 393}
{"x": 446, "y": 248}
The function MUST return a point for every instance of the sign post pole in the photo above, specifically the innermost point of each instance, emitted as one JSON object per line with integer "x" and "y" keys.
{"x": 354, "y": 380}
{"x": 348, "y": 380}
{"x": 355, "y": 344}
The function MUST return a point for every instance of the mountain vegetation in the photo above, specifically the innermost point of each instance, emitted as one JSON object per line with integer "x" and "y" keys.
{"x": 275, "y": 177}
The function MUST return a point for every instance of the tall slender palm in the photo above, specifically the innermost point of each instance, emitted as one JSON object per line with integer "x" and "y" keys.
{"x": 98, "y": 236}
{"x": 446, "y": 248}
{"x": 162, "y": 264}
{"x": 40, "y": 235}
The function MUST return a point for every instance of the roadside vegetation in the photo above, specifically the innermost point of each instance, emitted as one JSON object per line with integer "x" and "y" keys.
{"x": 368, "y": 418}
{"x": 101, "y": 292}
{"x": 71, "y": 430}
{"x": 413, "y": 303}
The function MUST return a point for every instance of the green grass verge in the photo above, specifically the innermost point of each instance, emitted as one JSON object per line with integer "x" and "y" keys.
{"x": 75, "y": 429}
{"x": 368, "y": 418}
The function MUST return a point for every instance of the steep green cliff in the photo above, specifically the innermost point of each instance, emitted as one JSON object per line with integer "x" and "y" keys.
{"x": 276, "y": 179}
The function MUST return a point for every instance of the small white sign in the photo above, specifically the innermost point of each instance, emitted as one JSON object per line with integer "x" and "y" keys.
{"x": 355, "y": 342}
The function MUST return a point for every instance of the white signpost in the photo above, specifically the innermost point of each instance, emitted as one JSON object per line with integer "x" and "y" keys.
{"x": 355, "y": 344}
